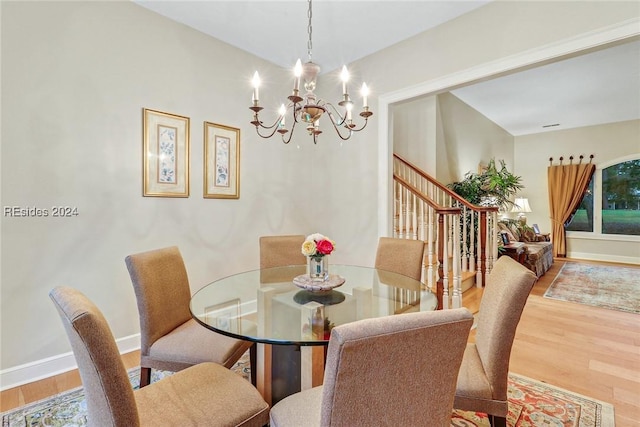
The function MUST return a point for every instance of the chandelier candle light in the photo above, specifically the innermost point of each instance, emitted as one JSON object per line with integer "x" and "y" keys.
{"x": 318, "y": 248}
{"x": 308, "y": 109}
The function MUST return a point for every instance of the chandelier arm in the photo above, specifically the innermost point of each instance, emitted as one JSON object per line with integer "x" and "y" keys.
{"x": 259, "y": 123}
{"x": 343, "y": 119}
{"x": 366, "y": 120}
{"x": 338, "y": 129}
{"x": 288, "y": 140}
{"x": 295, "y": 113}
{"x": 266, "y": 135}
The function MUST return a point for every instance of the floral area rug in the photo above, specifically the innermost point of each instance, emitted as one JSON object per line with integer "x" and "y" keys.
{"x": 612, "y": 287}
{"x": 531, "y": 403}
{"x": 536, "y": 404}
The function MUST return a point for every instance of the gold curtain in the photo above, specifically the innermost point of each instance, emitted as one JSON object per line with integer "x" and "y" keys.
{"x": 567, "y": 184}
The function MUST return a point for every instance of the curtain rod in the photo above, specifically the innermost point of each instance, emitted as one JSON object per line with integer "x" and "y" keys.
{"x": 571, "y": 159}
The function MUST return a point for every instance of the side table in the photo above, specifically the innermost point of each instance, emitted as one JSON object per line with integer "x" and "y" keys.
{"x": 515, "y": 250}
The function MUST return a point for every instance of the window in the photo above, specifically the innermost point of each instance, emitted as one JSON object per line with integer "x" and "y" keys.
{"x": 582, "y": 220}
{"x": 614, "y": 201}
{"x": 621, "y": 198}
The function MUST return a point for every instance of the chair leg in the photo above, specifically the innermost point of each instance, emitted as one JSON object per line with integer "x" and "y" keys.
{"x": 253, "y": 362}
{"x": 495, "y": 421}
{"x": 145, "y": 376}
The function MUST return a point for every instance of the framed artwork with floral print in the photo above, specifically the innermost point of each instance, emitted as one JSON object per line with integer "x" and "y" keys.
{"x": 221, "y": 161}
{"x": 166, "y": 154}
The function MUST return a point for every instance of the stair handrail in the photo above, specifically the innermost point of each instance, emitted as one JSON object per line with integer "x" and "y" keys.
{"x": 444, "y": 188}
{"x": 445, "y": 210}
{"x": 485, "y": 213}
{"x": 441, "y": 211}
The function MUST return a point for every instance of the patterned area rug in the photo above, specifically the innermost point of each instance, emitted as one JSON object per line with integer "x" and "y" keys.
{"x": 615, "y": 288}
{"x": 531, "y": 403}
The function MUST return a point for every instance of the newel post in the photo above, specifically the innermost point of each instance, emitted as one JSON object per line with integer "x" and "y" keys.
{"x": 483, "y": 245}
{"x": 440, "y": 255}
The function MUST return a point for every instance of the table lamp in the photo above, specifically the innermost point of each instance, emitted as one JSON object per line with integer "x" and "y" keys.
{"x": 521, "y": 206}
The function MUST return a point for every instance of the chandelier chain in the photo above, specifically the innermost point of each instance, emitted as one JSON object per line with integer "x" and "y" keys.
{"x": 309, "y": 31}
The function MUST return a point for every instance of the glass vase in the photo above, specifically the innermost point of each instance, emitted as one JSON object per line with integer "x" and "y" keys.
{"x": 319, "y": 268}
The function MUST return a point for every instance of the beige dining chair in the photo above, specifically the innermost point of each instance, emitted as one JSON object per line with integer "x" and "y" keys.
{"x": 280, "y": 251}
{"x": 402, "y": 256}
{"x": 397, "y": 371}
{"x": 482, "y": 382}
{"x": 171, "y": 339}
{"x": 203, "y": 395}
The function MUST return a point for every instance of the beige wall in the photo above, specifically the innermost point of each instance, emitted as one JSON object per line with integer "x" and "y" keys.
{"x": 470, "y": 138}
{"x": 75, "y": 77}
{"x": 415, "y": 127}
{"x": 446, "y": 138}
{"x": 608, "y": 143}
{"x": 490, "y": 33}
{"x": 498, "y": 38}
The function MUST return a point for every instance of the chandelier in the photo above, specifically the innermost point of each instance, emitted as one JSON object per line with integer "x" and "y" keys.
{"x": 308, "y": 109}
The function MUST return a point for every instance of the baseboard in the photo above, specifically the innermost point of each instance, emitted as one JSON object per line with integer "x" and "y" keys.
{"x": 45, "y": 368}
{"x": 603, "y": 257}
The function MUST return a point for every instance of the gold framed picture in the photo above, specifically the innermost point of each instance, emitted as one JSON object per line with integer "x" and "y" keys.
{"x": 221, "y": 161}
{"x": 166, "y": 154}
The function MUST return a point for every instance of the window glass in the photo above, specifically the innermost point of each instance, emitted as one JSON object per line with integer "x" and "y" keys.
{"x": 621, "y": 198}
{"x": 583, "y": 218}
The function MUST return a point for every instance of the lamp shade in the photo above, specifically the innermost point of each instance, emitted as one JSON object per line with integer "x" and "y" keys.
{"x": 521, "y": 205}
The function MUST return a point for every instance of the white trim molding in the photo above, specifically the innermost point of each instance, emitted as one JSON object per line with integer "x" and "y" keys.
{"x": 607, "y": 258}
{"x": 44, "y": 368}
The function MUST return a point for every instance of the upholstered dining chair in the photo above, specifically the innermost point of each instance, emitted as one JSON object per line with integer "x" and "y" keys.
{"x": 482, "y": 382}
{"x": 396, "y": 371}
{"x": 203, "y": 395}
{"x": 280, "y": 251}
{"x": 402, "y": 256}
{"x": 171, "y": 339}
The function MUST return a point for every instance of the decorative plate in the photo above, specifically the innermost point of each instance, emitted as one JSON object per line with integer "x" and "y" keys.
{"x": 304, "y": 282}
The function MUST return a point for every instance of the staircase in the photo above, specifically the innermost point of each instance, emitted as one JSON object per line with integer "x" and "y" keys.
{"x": 461, "y": 239}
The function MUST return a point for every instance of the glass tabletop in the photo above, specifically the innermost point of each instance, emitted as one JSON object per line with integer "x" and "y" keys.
{"x": 283, "y": 306}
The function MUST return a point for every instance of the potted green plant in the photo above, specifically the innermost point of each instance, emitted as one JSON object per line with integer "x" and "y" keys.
{"x": 494, "y": 186}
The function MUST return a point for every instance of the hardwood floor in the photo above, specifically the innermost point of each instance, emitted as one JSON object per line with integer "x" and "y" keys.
{"x": 32, "y": 392}
{"x": 588, "y": 350}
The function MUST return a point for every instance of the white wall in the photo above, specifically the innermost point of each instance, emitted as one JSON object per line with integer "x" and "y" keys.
{"x": 607, "y": 143}
{"x": 75, "y": 77}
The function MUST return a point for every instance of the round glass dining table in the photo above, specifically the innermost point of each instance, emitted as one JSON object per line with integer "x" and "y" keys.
{"x": 291, "y": 317}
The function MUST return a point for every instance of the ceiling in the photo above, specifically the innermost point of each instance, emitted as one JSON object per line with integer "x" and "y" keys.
{"x": 595, "y": 88}
{"x": 600, "y": 87}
